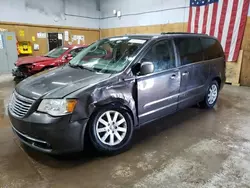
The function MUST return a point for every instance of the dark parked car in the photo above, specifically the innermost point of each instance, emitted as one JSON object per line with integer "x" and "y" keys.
{"x": 27, "y": 66}
{"x": 114, "y": 86}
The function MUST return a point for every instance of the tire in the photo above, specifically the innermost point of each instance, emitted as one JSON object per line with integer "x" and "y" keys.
{"x": 102, "y": 139}
{"x": 211, "y": 96}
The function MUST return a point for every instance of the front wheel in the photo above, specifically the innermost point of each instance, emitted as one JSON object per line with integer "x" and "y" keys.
{"x": 111, "y": 130}
{"x": 211, "y": 95}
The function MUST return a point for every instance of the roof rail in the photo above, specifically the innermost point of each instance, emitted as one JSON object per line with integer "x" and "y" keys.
{"x": 185, "y": 33}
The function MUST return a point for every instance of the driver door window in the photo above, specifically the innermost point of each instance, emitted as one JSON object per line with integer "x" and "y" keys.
{"x": 161, "y": 55}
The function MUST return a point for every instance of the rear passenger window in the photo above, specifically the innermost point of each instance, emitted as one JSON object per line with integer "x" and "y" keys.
{"x": 190, "y": 50}
{"x": 212, "y": 48}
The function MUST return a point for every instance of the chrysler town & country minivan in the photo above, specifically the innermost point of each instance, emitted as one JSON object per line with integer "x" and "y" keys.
{"x": 114, "y": 86}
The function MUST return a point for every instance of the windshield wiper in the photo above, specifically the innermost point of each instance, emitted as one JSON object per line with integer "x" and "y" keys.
{"x": 81, "y": 66}
{"x": 75, "y": 66}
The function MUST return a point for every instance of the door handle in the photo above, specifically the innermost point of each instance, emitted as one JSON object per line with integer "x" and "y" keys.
{"x": 185, "y": 73}
{"x": 173, "y": 77}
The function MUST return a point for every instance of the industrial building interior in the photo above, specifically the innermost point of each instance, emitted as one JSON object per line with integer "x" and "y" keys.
{"x": 193, "y": 147}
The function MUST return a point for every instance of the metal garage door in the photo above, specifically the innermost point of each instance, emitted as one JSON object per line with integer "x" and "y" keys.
{"x": 8, "y": 51}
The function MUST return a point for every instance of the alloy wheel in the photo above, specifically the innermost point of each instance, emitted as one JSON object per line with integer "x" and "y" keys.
{"x": 213, "y": 93}
{"x": 111, "y": 128}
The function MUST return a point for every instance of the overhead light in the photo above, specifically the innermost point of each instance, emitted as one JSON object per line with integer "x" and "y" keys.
{"x": 119, "y": 13}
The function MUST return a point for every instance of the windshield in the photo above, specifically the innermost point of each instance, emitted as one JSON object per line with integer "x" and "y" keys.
{"x": 109, "y": 55}
{"x": 57, "y": 52}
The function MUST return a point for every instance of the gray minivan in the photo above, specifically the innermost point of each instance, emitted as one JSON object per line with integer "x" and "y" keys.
{"x": 114, "y": 86}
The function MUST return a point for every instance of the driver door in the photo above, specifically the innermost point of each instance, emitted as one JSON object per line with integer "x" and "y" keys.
{"x": 158, "y": 91}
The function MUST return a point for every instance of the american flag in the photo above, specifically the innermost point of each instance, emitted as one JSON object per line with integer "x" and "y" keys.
{"x": 223, "y": 19}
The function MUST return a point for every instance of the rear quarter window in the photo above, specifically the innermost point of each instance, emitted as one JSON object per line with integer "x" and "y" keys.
{"x": 212, "y": 48}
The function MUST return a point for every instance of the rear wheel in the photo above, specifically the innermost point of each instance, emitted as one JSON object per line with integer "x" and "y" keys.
{"x": 211, "y": 95}
{"x": 111, "y": 130}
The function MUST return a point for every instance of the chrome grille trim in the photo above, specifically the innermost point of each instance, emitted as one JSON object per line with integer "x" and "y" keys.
{"x": 20, "y": 105}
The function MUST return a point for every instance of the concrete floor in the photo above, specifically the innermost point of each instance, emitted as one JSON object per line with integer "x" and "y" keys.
{"x": 193, "y": 148}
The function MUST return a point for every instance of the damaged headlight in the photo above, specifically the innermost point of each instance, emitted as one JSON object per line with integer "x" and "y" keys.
{"x": 57, "y": 107}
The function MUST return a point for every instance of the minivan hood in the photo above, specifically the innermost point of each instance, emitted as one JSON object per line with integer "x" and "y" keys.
{"x": 31, "y": 59}
{"x": 59, "y": 82}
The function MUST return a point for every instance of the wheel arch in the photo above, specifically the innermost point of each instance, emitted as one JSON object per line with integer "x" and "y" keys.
{"x": 117, "y": 103}
{"x": 218, "y": 80}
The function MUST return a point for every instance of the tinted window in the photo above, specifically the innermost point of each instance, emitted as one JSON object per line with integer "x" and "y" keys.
{"x": 161, "y": 55}
{"x": 190, "y": 50}
{"x": 212, "y": 48}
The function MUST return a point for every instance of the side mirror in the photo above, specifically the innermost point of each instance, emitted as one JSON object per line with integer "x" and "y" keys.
{"x": 69, "y": 57}
{"x": 147, "y": 68}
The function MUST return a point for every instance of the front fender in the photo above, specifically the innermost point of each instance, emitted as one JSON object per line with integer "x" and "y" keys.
{"x": 41, "y": 65}
{"x": 118, "y": 103}
{"x": 37, "y": 67}
{"x": 120, "y": 94}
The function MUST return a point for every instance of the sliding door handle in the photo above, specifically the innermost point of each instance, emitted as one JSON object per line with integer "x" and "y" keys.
{"x": 173, "y": 77}
{"x": 185, "y": 73}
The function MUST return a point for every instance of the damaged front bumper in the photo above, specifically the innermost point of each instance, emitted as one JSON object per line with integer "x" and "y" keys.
{"x": 17, "y": 73}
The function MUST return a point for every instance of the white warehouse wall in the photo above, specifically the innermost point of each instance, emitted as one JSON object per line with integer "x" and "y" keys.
{"x": 84, "y": 13}
{"x": 75, "y": 13}
{"x": 144, "y": 12}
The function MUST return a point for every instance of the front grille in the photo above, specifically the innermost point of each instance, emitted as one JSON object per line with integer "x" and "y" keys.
{"x": 20, "y": 105}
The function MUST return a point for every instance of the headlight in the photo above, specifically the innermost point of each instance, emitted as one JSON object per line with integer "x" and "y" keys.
{"x": 57, "y": 107}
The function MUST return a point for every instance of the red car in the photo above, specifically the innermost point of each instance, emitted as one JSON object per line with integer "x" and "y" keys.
{"x": 27, "y": 66}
